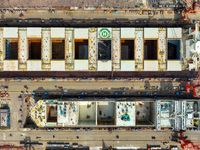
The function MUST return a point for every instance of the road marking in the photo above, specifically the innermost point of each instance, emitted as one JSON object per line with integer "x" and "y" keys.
{"x": 4, "y": 136}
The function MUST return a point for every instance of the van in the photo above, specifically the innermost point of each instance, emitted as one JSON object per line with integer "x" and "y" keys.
{"x": 75, "y": 145}
{"x": 66, "y": 145}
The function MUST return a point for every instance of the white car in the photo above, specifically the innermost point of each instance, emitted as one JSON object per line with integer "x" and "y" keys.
{"x": 21, "y": 134}
{"x": 175, "y": 88}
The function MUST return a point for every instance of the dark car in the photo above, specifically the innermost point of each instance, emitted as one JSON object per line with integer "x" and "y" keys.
{"x": 166, "y": 21}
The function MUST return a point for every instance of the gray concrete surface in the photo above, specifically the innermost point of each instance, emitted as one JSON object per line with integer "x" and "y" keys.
{"x": 90, "y": 14}
{"x": 67, "y": 3}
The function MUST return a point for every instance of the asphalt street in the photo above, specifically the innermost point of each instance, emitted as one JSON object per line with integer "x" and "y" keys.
{"x": 92, "y": 138}
{"x": 92, "y": 14}
{"x": 93, "y": 18}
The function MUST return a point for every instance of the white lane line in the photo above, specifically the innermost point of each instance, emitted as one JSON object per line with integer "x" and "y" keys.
{"x": 4, "y": 136}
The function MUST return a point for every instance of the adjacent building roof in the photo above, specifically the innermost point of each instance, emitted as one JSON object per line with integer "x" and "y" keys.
{"x": 4, "y": 118}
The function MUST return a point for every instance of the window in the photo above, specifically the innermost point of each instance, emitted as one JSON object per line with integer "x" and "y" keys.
{"x": 127, "y": 49}
{"x": 58, "y": 49}
{"x": 11, "y": 49}
{"x": 81, "y": 49}
{"x": 104, "y": 49}
{"x": 174, "y": 47}
{"x": 150, "y": 49}
{"x": 34, "y": 48}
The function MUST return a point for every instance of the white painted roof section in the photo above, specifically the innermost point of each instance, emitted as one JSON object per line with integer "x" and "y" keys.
{"x": 139, "y": 45}
{"x": 10, "y": 32}
{"x": 71, "y": 116}
{"x": 80, "y": 64}
{"x": 104, "y": 65}
{"x": 127, "y": 65}
{"x": 197, "y": 47}
{"x": 151, "y": 65}
{"x": 23, "y": 46}
{"x": 150, "y": 32}
{"x": 58, "y": 65}
{"x": 127, "y": 32}
{"x": 191, "y": 66}
{"x": 174, "y": 65}
{"x": 122, "y": 108}
{"x": 165, "y": 122}
{"x": 34, "y": 32}
{"x": 57, "y": 32}
{"x": 189, "y": 122}
{"x": 46, "y": 44}
{"x": 34, "y": 65}
{"x": 174, "y": 33}
{"x": 81, "y": 33}
{"x": 10, "y": 65}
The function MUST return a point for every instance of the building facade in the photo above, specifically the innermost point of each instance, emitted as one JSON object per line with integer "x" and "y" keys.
{"x": 90, "y": 49}
{"x": 158, "y": 114}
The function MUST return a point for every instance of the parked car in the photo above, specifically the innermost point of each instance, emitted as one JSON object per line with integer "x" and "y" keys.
{"x": 123, "y": 93}
{"x": 71, "y": 11}
{"x": 75, "y": 145}
{"x": 88, "y": 129}
{"x": 66, "y": 145}
{"x": 175, "y": 88}
{"x": 2, "y": 94}
{"x": 181, "y": 88}
{"x": 155, "y": 93}
{"x": 106, "y": 12}
{"x": 166, "y": 21}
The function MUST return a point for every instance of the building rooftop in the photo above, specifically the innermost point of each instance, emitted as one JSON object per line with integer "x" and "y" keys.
{"x": 4, "y": 118}
{"x": 54, "y": 113}
{"x": 92, "y": 49}
{"x": 125, "y": 114}
{"x": 174, "y": 114}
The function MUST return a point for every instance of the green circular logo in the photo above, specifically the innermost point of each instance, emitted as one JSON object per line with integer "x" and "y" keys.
{"x": 104, "y": 33}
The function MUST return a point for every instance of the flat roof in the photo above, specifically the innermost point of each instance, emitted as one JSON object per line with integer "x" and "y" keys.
{"x": 67, "y": 113}
{"x": 4, "y": 117}
{"x": 125, "y": 114}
